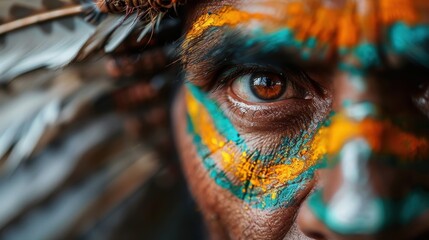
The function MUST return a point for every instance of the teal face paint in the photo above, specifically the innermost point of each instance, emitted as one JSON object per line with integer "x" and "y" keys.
{"x": 358, "y": 60}
{"x": 235, "y": 47}
{"x": 359, "y": 141}
{"x": 259, "y": 179}
{"x": 410, "y": 41}
{"x": 365, "y": 54}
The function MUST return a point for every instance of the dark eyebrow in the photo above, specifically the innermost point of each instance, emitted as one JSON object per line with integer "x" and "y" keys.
{"x": 220, "y": 47}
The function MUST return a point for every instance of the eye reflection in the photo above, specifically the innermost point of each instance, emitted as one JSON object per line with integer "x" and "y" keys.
{"x": 263, "y": 87}
{"x": 267, "y": 86}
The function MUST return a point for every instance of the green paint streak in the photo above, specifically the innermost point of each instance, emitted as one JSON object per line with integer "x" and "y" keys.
{"x": 272, "y": 42}
{"x": 222, "y": 123}
{"x": 365, "y": 53}
{"x": 256, "y": 197}
{"x": 410, "y": 41}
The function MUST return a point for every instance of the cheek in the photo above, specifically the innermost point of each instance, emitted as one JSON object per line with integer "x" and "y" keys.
{"x": 227, "y": 215}
{"x": 262, "y": 179}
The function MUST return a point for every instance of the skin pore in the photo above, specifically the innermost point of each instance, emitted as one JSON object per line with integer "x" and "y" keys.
{"x": 309, "y": 113}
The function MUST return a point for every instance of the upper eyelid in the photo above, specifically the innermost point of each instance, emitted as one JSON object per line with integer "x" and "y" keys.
{"x": 227, "y": 78}
{"x": 206, "y": 56}
{"x": 294, "y": 74}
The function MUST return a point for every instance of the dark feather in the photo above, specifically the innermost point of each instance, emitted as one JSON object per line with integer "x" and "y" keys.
{"x": 11, "y": 10}
{"x": 68, "y": 156}
{"x": 28, "y": 116}
{"x": 49, "y": 44}
{"x": 50, "y": 170}
{"x": 99, "y": 38}
{"x": 27, "y": 43}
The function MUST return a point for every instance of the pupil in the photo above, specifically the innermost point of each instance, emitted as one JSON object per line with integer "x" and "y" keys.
{"x": 267, "y": 86}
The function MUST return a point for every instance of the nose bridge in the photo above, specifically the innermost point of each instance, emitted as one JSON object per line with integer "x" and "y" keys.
{"x": 355, "y": 206}
{"x": 359, "y": 127}
{"x": 359, "y": 190}
{"x": 349, "y": 204}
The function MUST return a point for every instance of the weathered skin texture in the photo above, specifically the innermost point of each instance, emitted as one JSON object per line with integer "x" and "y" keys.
{"x": 226, "y": 216}
{"x": 342, "y": 153}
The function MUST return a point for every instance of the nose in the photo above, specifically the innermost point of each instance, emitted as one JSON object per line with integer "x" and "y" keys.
{"x": 315, "y": 228}
{"x": 375, "y": 183}
{"x": 360, "y": 198}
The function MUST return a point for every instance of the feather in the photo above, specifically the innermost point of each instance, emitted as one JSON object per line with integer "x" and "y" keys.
{"x": 39, "y": 33}
{"x": 28, "y": 116}
{"x": 50, "y": 168}
{"x": 53, "y": 33}
{"x": 66, "y": 211}
{"x": 65, "y": 165}
{"x": 121, "y": 32}
{"x": 20, "y": 9}
{"x": 32, "y": 47}
{"x": 54, "y": 38}
{"x": 106, "y": 28}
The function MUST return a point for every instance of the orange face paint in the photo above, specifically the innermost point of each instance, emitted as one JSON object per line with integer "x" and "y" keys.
{"x": 382, "y": 136}
{"x": 350, "y": 24}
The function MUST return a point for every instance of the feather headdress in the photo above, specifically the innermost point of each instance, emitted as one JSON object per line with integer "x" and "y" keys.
{"x": 71, "y": 162}
{"x": 42, "y": 33}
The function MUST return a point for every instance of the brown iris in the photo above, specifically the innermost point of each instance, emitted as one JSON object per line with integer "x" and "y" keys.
{"x": 266, "y": 86}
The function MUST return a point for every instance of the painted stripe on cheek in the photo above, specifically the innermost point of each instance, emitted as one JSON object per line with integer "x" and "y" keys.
{"x": 263, "y": 181}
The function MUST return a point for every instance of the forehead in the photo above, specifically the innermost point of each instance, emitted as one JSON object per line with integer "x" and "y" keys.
{"x": 384, "y": 11}
{"x": 362, "y": 33}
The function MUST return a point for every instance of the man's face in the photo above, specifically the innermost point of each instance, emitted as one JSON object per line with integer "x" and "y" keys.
{"x": 307, "y": 118}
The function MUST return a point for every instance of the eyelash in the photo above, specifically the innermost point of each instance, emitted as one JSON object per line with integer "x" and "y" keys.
{"x": 227, "y": 74}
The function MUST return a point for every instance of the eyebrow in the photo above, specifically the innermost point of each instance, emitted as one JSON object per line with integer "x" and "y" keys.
{"x": 218, "y": 48}
{"x": 405, "y": 26}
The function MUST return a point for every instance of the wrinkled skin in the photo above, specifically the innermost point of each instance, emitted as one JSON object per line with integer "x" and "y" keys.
{"x": 339, "y": 151}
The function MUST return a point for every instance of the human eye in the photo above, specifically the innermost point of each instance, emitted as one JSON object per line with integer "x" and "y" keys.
{"x": 266, "y": 87}
{"x": 253, "y": 123}
{"x": 259, "y": 98}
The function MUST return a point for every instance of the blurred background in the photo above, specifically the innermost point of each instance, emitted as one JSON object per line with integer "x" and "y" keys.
{"x": 86, "y": 149}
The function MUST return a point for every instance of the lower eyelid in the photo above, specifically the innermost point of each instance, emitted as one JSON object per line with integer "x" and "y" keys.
{"x": 291, "y": 114}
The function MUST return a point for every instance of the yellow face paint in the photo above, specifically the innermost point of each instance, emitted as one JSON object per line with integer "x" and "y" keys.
{"x": 356, "y": 26}
{"x": 226, "y": 16}
{"x": 242, "y": 168}
{"x": 350, "y": 24}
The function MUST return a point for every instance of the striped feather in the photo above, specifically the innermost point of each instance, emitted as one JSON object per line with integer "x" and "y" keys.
{"x": 75, "y": 146}
{"x": 38, "y": 35}
{"x": 11, "y": 10}
{"x": 49, "y": 44}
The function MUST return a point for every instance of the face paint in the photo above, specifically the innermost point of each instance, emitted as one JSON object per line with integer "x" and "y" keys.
{"x": 262, "y": 180}
{"x": 383, "y": 137}
{"x": 227, "y": 16}
{"x": 300, "y": 26}
{"x": 368, "y": 214}
{"x": 410, "y": 41}
{"x": 354, "y": 138}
